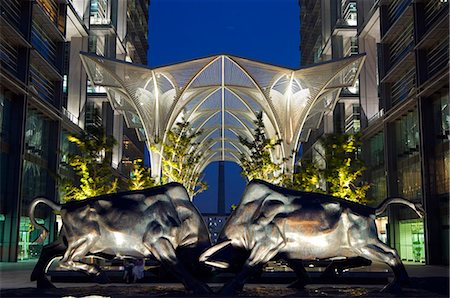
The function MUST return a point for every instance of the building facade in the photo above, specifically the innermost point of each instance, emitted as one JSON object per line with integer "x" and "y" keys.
{"x": 401, "y": 108}
{"x": 45, "y": 96}
{"x": 406, "y": 119}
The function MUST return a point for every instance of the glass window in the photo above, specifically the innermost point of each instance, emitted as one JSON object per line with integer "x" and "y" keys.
{"x": 375, "y": 168}
{"x": 28, "y": 249}
{"x": 412, "y": 241}
{"x": 99, "y": 10}
{"x": 408, "y": 161}
{"x": 440, "y": 165}
{"x": 34, "y": 183}
{"x": 5, "y": 114}
{"x": 36, "y": 135}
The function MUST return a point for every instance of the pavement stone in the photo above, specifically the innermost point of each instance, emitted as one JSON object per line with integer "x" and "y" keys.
{"x": 426, "y": 281}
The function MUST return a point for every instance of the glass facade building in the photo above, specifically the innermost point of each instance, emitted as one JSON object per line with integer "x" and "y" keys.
{"x": 403, "y": 108}
{"x": 43, "y": 96}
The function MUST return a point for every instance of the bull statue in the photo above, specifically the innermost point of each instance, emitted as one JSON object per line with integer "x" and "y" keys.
{"x": 274, "y": 222}
{"x": 159, "y": 222}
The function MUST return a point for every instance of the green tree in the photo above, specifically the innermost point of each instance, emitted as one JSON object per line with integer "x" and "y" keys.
{"x": 181, "y": 156}
{"x": 92, "y": 165}
{"x": 307, "y": 179}
{"x": 140, "y": 176}
{"x": 259, "y": 164}
{"x": 343, "y": 170}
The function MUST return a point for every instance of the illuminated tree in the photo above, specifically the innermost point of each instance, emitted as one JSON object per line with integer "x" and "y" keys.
{"x": 140, "y": 176}
{"x": 344, "y": 168}
{"x": 342, "y": 173}
{"x": 307, "y": 179}
{"x": 259, "y": 165}
{"x": 180, "y": 158}
{"x": 92, "y": 165}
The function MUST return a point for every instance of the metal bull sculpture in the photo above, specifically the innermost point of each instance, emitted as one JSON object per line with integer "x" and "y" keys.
{"x": 158, "y": 222}
{"x": 271, "y": 222}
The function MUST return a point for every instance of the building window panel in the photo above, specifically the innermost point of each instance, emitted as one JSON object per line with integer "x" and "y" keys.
{"x": 43, "y": 43}
{"x": 99, "y": 12}
{"x": 440, "y": 166}
{"x": 36, "y": 135}
{"x": 408, "y": 161}
{"x": 437, "y": 57}
{"x": 433, "y": 8}
{"x": 375, "y": 168}
{"x": 44, "y": 87}
{"x": 396, "y": 8}
{"x": 11, "y": 11}
{"x": 403, "y": 87}
{"x": 402, "y": 44}
{"x": 8, "y": 57}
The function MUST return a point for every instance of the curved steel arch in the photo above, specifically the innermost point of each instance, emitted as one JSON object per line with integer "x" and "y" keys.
{"x": 286, "y": 112}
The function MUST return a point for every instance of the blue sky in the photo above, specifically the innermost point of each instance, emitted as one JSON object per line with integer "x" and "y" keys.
{"x": 263, "y": 30}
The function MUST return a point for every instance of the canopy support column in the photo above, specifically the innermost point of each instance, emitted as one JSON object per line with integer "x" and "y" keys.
{"x": 155, "y": 159}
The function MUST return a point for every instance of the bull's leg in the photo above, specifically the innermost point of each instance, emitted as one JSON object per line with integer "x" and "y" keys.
{"x": 164, "y": 252}
{"x": 76, "y": 252}
{"x": 48, "y": 253}
{"x": 260, "y": 255}
{"x": 336, "y": 267}
{"x": 302, "y": 276}
{"x": 380, "y": 252}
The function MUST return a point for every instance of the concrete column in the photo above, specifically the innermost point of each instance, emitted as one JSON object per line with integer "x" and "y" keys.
{"x": 53, "y": 166}
{"x": 76, "y": 81}
{"x": 433, "y": 244}
{"x": 155, "y": 160}
{"x": 118, "y": 135}
{"x": 369, "y": 100}
{"x": 390, "y": 157}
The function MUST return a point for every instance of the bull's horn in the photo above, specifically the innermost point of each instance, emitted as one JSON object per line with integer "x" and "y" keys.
{"x": 212, "y": 250}
{"x": 218, "y": 264}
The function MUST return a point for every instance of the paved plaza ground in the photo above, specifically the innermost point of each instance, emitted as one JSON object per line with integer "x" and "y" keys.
{"x": 426, "y": 281}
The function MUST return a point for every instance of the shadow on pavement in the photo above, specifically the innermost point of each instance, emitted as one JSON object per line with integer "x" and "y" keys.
{"x": 422, "y": 287}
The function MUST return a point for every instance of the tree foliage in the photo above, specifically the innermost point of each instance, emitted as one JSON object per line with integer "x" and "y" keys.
{"x": 259, "y": 164}
{"x": 181, "y": 156}
{"x": 342, "y": 173}
{"x": 92, "y": 165}
{"x": 140, "y": 176}
{"x": 308, "y": 179}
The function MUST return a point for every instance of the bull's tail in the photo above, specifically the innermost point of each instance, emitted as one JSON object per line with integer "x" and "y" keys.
{"x": 417, "y": 207}
{"x": 33, "y": 205}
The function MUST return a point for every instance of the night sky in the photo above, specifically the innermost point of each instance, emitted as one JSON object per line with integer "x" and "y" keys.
{"x": 262, "y": 30}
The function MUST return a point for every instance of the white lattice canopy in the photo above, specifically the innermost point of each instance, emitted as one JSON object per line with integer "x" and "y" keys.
{"x": 221, "y": 95}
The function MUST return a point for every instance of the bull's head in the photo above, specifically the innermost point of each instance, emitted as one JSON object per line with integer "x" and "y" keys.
{"x": 248, "y": 225}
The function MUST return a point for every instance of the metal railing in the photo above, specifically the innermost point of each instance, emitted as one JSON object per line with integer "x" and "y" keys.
{"x": 402, "y": 88}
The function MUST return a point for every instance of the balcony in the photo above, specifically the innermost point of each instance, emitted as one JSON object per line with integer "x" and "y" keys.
{"x": 43, "y": 44}
{"x": 435, "y": 10}
{"x": 404, "y": 87}
{"x": 10, "y": 10}
{"x": 44, "y": 66}
{"x": 396, "y": 9}
{"x": 437, "y": 57}
{"x": 402, "y": 44}
{"x": 42, "y": 19}
{"x": 10, "y": 41}
{"x": 43, "y": 87}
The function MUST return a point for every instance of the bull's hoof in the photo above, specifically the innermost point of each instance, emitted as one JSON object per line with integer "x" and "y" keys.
{"x": 44, "y": 283}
